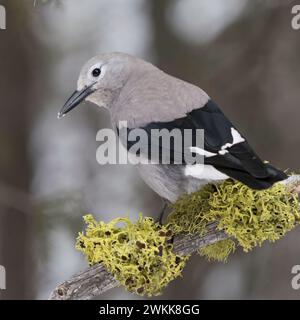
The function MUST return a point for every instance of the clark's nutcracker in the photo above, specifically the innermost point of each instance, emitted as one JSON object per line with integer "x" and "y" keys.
{"x": 136, "y": 91}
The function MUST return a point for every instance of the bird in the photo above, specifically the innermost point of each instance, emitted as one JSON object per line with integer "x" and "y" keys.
{"x": 138, "y": 92}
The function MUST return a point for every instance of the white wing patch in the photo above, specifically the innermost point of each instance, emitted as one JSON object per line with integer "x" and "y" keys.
{"x": 204, "y": 172}
{"x": 236, "y": 137}
{"x": 208, "y": 172}
{"x": 202, "y": 152}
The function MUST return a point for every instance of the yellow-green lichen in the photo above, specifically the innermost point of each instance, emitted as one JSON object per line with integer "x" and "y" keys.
{"x": 246, "y": 215}
{"x": 218, "y": 251}
{"x": 139, "y": 254}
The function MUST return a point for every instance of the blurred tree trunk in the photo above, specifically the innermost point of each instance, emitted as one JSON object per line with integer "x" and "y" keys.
{"x": 16, "y": 212}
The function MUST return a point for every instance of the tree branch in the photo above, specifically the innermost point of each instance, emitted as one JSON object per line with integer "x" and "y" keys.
{"x": 96, "y": 280}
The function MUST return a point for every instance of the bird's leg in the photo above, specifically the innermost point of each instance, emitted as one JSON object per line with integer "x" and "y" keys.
{"x": 163, "y": 211}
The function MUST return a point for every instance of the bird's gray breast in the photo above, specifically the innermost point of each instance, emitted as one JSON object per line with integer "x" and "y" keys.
{"x": 166, "y": 180}
{"x": 169, "y": 181}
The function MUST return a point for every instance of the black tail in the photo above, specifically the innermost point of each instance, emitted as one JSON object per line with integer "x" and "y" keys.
{"x": 274, "y": 175}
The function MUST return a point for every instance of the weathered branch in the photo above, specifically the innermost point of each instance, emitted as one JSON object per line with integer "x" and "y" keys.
{"x": 96, "y": 280}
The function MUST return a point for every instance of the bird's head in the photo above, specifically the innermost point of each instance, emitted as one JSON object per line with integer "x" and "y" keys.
{"x": 101, "y": 79}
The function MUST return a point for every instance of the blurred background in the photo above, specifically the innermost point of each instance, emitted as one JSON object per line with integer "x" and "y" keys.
{"x": 244, "y": 53}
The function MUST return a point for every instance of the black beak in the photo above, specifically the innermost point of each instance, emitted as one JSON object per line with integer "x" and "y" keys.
{"x": 76, "y": 98}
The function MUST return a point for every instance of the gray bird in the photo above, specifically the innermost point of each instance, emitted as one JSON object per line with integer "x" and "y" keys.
{"x": 136, "y": 91}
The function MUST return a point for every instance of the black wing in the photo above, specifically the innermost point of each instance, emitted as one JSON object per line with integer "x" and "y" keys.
{"x": 238, "y": 160}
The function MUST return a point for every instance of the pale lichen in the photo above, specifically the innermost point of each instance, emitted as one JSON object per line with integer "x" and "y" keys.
{"x": 139, "y": 254}
{"x": 246, "y": 215}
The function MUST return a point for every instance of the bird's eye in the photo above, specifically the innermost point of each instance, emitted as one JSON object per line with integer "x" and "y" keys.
{"x": 96, "y": 72}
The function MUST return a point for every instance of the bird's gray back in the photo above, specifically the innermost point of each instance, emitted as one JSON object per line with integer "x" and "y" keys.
{"x": 151, "y": 95}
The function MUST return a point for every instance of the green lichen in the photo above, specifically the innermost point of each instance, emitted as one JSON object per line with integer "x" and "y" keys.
{"x": 246, "y": 215}
{"x": 139, "y": 254}
{"x": 218, "y": 251}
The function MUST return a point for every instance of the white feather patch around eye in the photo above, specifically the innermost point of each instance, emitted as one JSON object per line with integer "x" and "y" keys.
{"x": 95, "y": 66}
